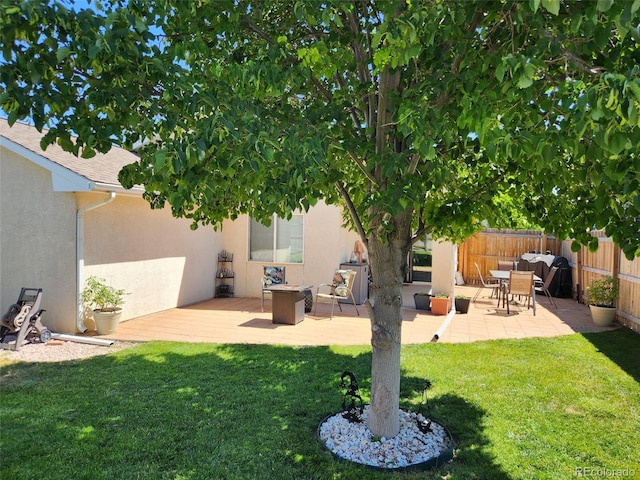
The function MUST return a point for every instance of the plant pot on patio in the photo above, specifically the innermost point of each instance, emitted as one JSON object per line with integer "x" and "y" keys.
{"x": 462, "y": 304}
{"x": 106, "y": 303}
{"x": 107, "y": 322}
{"x": 440, "y": 305}
{"x": 602, "y": 294}
{"x": 602, "y": 316}
{"x": 422, "y": 301}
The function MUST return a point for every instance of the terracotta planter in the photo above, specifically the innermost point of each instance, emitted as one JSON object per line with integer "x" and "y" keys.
{"x": 602, "y": 316}
{"x": 106, "y": 322}
{"x": 462, "y": 304}
{"x": 422, "y": 301}
{"x": 440, "y": 306}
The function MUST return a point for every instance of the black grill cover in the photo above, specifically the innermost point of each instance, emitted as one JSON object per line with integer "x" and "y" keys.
{"x": 561, "y": 286}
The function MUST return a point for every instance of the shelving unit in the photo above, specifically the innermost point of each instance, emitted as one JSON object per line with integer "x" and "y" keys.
{"x": 225, "y": 278}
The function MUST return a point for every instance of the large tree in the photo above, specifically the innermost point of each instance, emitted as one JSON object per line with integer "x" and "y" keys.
{"x": 418, "y": 116}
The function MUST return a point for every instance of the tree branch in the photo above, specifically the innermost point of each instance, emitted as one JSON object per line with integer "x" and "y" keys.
{"x": 362, "y": 63}
{"x": 573, "y": 58}
{"x": 353, "y": 212}
{"x": 321, "y": 88}
{"x": 362, "y": 167}
{"x": 413, "y": 164}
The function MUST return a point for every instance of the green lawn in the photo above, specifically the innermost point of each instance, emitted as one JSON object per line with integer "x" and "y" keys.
{"x": 520, "y": 409}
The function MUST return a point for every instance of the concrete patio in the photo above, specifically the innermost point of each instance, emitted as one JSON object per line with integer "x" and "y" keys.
{"x": 240, "y": 320}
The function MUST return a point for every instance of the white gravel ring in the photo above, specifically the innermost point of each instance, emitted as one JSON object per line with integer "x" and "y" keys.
{"x": 410, "y": 448}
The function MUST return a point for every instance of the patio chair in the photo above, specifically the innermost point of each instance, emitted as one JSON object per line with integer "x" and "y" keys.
{"x": 493, "y": 286}
{"x": 521, "y": 284}
{"x": 339, "y": 289}
{"x": 504, "y": 265}
{"x": 543, "y": 287}
{"x": 271, "y": 276}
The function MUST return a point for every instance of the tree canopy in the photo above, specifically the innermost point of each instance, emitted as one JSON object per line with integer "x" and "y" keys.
{"x": 459, "y": 111}
{"x": 418, "y": 116}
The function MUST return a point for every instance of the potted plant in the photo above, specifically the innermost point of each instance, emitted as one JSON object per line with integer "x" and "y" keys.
{"x": 422, "y": 301}
{"x": 602, "y": 295}
{"x": 106, "y": 303}
{"x": 462, "y": 303}
{"x": 440, "y": 304}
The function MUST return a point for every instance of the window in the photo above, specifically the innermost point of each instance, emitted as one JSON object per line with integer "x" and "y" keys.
{"x": 281, "y": 242}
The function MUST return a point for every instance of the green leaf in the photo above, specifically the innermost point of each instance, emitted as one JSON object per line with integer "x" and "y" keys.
{"x": 552, "y": 6}
{"x": 159, "y": 158}
{"x": 524, "y": 81}
{"x": 616, "y": 142}
{"x": 548, "y": 153}
{"x": 604, "y": 5}
{"x": 12, "y": 118}
{"x": 140, "y": 25}
{"x": 534, "y": 4}
{"x": 500, "y": 71}
{"x": 62, "y": 53}
{"x": 93, "y": 51}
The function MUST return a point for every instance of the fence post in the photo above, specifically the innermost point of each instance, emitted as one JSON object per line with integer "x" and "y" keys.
{"x": 579, "y": 275}
{"x": 615, "y": 269}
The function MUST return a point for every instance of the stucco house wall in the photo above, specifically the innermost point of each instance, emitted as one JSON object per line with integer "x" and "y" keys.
{"x": 157, "y": 259}
{"x": 326, "y": 245}
{"x": 37, "y": 240}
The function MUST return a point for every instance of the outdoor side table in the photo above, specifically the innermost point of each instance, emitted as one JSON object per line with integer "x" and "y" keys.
{"x": 288, "y": 303}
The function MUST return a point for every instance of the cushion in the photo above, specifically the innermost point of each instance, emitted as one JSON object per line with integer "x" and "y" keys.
{"x": 273, "y": 276}
{"x": 339, "y": 283}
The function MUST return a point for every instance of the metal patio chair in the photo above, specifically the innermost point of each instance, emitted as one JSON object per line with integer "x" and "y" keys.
{"x": 339, "y": 289}
{"x": 494, "y": 287}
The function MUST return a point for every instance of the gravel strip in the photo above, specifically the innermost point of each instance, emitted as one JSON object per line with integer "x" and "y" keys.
{"x": 57, "y": 351}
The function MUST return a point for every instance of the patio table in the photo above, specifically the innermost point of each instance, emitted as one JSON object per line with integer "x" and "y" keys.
{"x": 503, "y": 277}
{"x": 288, "y": 303}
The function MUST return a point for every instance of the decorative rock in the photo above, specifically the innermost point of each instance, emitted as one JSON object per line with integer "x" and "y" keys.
{"x": 356, "y": 443}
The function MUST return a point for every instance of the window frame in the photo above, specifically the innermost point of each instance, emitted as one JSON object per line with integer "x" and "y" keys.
{"x": 274, "y": 250}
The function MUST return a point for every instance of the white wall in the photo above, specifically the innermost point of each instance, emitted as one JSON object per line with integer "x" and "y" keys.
{"x": 157, "y": 259}
{"x": 443, "y": 268}
{"x": 37, "y": 241}
{"x": 326, "y": 245}
{"x": 154, "y": 257}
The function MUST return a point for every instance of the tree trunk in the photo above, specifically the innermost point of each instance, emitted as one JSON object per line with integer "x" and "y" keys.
{"x": 388, "y": 262}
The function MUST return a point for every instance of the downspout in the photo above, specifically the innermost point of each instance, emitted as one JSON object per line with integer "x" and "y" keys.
{"x": 80, "y": 254}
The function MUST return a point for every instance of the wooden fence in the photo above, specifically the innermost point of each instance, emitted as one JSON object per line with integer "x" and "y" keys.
{"x": 491, "y": 246}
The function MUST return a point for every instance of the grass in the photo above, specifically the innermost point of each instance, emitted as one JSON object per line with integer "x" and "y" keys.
{"x": 518, "y": 409}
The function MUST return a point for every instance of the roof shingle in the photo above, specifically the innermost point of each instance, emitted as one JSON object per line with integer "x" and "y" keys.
{"x": 103, "y": 168}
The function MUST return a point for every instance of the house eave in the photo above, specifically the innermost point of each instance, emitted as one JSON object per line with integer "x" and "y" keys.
{"x": 63, "y": 179}
{"x": 119, "y": 189}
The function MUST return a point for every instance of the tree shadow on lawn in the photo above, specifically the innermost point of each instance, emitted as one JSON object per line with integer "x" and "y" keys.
{"x": 621, "y": 346}
{"x": 464, "y": 421}
{"x": 167, "y": 410}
